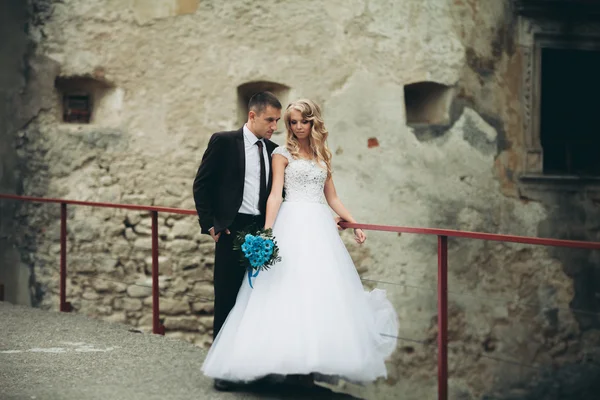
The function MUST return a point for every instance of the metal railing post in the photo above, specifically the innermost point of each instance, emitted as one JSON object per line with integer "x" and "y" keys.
{"x": 442, "y": 317}
{"x": 157, "y": 327}
{"x": 65, "y": 306}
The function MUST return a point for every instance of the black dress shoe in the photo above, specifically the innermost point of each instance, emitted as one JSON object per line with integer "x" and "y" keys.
{"x": 223, "y": 385}
{"x": 305, "y": 381}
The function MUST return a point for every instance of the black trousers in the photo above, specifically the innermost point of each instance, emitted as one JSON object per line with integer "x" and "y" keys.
{"x": 229, "y": 273}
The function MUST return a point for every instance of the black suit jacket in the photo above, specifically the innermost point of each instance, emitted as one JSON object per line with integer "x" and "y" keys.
{"x": 219, "y": 182}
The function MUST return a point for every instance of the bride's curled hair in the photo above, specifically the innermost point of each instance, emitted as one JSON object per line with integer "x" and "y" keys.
{"x": 318, "y": 135}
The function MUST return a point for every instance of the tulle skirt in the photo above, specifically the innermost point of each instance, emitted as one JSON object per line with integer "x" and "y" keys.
{"x": 309, "y": 313}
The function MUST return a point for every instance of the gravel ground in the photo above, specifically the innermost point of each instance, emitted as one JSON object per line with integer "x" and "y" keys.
{"x": 50, "y": 356}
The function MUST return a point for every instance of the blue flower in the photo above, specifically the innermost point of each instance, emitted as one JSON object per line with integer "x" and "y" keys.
{"x": 255, "y": 262}
{"x": 258, "y": 249}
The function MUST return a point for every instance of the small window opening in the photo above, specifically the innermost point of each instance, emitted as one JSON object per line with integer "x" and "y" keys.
{"x": 77, "y": 108}
{"x": 427, "y": 103}
{"x": 247, "y": 90}
{"x": 569, "y": 131}
{"x": 83, "y": 97}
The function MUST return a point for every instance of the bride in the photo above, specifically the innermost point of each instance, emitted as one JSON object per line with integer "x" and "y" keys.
{"x": 309, "y": 313}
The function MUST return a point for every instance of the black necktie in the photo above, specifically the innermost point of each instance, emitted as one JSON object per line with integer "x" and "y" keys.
{"x": 262, "y": 197}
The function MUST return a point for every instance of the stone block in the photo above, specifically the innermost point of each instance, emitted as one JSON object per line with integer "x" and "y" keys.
{"x": 163, "y": 282}
{"x": 148, "y": 302}
{"x": 131, "y": 268}
{"x": 198, "y": 274}
{"x": 146, "y": 320}
{"x": 119, "y": 287}
{"x": 82, "y": 264}
{"x": 202, "y": 307}
{"x": 170, "y": 306}
{"x": 72, "y": 290}
{"x": 139, "y": 290}
{"x": 170, "y": 221}
{"x": 179, "y": 285}
{"x": 90, "y": 295}
{"x": 101, "y": 285}
{"x": 185, "y": 228}
{"x": 182, "y": 323}
{"x": 104, "y": 310}
{"x": 106, "y": 264}
{"x": 84, "y": 230}
{"x": 121, "y": 247}
{"x": 203, "y": 290}
{"x": 165, "y": 266}
{"x": 164, "y": 232}
{"x": 207, "y": 248}
{"x": 182, "y": 246}
{"x": 130, "y": 304}
{"x": 130, "y": 234}
{"x": 118, "y": 317}
{"x": 206, "y": 321}
{"x": 189, "y": 261}
{"x": 209, "y": 261}
{"x": 133, "y": 218}
{"x": 143, "y": 243}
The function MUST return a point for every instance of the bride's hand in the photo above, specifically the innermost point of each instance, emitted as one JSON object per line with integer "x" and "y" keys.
{"x": 337, "y": 222}
{"x": 359, "y": 236}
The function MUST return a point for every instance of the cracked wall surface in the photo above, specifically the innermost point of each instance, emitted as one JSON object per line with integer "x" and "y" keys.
{"x": 174, "y": 68}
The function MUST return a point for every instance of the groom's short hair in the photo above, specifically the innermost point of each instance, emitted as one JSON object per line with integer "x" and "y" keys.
{"x": 259, "y": 101}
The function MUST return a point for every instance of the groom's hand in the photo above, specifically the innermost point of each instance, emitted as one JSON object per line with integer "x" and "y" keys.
{"x": 218, "y": 235}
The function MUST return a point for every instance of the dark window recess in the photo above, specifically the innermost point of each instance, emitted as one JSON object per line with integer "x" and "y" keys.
{"x": 248, "y": 89}
{"x": 427, "y": 103}
{"x": 569, "y": 127}
{"x": 77, "y": 108}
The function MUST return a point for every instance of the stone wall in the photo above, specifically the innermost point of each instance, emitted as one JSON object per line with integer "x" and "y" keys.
{"x": 422, "y": 99}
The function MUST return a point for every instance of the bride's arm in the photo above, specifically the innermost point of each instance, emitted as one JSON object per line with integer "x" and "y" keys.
{"x": 338, "y": 207}
{"x": 275, "y": 197}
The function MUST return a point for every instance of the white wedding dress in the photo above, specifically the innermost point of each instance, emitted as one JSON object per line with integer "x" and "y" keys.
{"x": 309, "y": 313}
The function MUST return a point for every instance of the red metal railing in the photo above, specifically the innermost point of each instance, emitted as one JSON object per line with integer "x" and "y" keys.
{"x": 443, "y": 235}
{"x": 65, "y": 306}
{"x": 442, "y": 288}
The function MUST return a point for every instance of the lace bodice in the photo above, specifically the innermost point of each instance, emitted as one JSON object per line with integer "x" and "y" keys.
{"x": 304, "y": 180}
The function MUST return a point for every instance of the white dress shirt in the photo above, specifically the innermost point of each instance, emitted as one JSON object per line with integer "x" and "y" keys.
{"x": 252, "y": 177}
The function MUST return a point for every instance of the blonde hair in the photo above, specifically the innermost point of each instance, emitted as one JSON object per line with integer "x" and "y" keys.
{"x": 318, "y": 133}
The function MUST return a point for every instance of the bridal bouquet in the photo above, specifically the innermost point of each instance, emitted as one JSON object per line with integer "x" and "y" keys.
{"x": 259, "y": 251}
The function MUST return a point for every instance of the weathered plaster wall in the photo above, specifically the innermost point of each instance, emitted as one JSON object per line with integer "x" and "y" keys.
{"x": 495, "y": 82}
{"x": 171, "y": 71}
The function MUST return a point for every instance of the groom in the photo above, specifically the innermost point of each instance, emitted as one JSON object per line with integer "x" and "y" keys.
{"x": 230, "y": 191}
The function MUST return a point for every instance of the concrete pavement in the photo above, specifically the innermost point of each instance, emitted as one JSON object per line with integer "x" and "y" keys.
{"x": 58, "y": 356}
